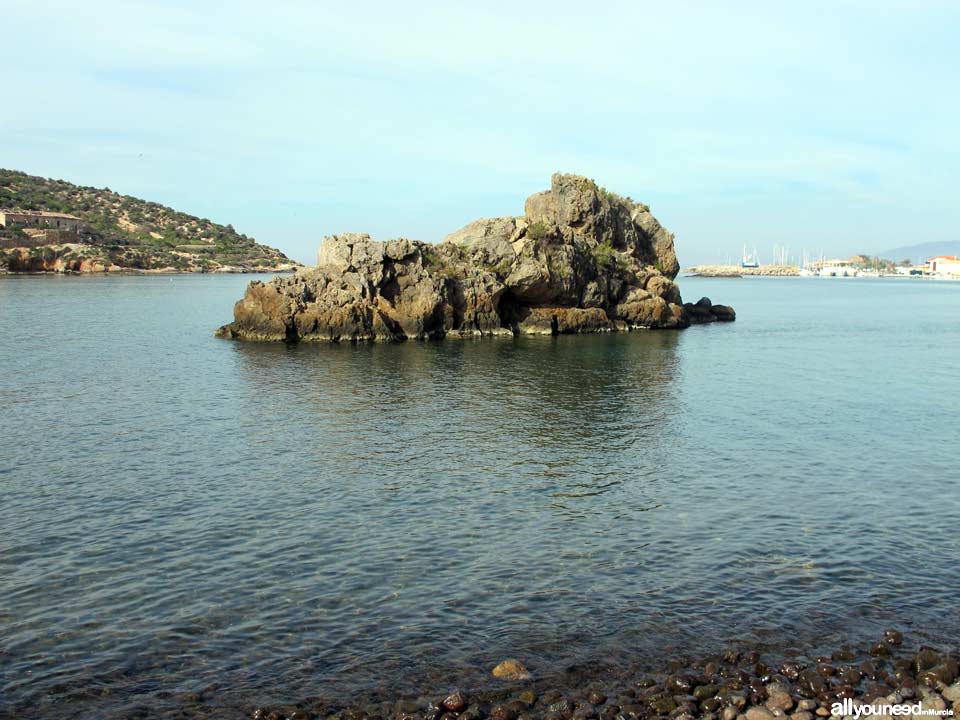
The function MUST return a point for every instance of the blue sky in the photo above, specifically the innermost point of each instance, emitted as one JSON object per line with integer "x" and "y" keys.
{"x": 820, "y": 126}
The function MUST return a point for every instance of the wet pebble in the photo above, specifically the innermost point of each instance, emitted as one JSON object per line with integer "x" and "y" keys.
{"x": 528, "y": 698}
{"x": 892, "y": 637}
{"x": 662, "y": 704}
{"x": 759, "y": 713}
{"x": 678, "y": 684}
{"x": 778, "y": 699}
{"x": 455, "y": 702}
{"x": 596, "y": 697}
{"x": 925, "y": 659}
{"x": 710, "y": 704}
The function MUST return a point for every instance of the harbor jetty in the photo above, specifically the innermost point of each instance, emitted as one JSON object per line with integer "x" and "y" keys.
{"x": 735, "y": 271}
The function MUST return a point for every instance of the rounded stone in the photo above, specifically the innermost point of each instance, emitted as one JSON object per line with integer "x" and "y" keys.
{"x": 511, "y": 670}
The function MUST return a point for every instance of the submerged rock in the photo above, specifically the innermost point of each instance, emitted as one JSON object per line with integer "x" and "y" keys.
{"x": 511, "y": 670}
{"x": 580, "y": 260}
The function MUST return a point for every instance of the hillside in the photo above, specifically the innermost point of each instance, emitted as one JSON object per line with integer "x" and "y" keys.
{"x": 119, "y": 232}
{"x": 919, "y": 254}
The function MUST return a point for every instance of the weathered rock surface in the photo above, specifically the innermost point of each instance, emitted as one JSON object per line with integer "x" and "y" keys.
{"x": 580, "y": 260}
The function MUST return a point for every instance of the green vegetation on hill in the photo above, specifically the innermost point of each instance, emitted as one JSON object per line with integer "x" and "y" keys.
{"x": 128, "y": 232}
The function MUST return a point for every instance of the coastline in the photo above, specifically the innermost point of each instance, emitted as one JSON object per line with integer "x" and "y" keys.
{"x": 739, "y": 683}
{"x": 278, "y": 270}
{"x": 736, "y": 683}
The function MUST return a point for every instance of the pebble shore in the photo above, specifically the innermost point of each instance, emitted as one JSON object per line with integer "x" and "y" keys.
{"x": 734, "y": 685}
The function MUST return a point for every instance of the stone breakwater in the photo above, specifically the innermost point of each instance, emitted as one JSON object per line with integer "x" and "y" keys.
{"x": 737, "y": 271}
{"x": 734, "y": 685}
{"x": 579, "y": 260}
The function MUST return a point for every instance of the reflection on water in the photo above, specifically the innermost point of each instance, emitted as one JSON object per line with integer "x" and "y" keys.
{"x": 544, "y": 414}
{"x": 262, "y": 522}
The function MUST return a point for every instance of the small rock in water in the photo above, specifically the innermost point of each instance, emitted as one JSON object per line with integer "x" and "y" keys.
{"x": 881, "y": 649}
{"x": 925, "y": 660}
{"x": 678, "y": 684}
{"x": 528, "y": 697}
{"x": 511, "y": 670}
{"x": 596, "y": 698}
{"x": 710, "y": 705}
{"x": 502, "y": 712}
{"x": 662, "y": 704}
{"x": 892, "y": 637}
{"x": 455, "y": 701}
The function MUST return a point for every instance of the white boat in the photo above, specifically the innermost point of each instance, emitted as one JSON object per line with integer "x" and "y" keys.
{"x": 750, "y": 261}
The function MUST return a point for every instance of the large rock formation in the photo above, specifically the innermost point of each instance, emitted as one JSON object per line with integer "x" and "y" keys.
{"x": 579, "y": 260}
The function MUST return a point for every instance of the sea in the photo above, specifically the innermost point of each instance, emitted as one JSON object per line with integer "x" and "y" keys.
{"x": 190, "y": 520}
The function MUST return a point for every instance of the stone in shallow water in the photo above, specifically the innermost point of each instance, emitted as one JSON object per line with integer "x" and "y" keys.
{"x": 528, "y": 697}
{"x": 678, "y": 684}
{"x": 925, "y": 659}
{"x": 511, "y": 670}
{"x": 455, "y": 701}
{"x": 502, "y": 712}
{"x": 892, "y": 637}
{"x": 881, "y": 649}
{"x": 596, "y": 697}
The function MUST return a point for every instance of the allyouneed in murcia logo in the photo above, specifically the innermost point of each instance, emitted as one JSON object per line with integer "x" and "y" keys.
{"x": 847, "y": 708}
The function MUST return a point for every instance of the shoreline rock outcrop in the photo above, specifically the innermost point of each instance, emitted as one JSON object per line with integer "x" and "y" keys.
{"x": 579, "y": 260}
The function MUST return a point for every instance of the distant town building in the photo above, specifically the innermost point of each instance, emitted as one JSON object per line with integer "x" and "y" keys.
{"x": 911, "y": 269}
{"x": 39, "y": 219}
{"x": 944, "y": 265}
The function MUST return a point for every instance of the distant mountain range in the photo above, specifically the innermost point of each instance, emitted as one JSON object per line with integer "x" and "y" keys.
{"x": 111, "y": 232}
{"x": 924, "y": 251}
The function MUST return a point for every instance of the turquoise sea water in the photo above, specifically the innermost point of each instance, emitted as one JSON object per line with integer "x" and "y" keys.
{"x": 259, "y": 523}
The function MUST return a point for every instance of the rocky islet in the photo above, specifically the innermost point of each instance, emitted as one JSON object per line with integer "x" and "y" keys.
{"x": 579, "y": 260}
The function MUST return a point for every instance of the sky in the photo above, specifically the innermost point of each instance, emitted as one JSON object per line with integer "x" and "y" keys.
{"x": 816, "y": 126}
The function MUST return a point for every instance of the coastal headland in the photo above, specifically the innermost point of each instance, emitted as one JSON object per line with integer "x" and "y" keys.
{"x": 580, "y": 260}
{"x": 53, "y": 226}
